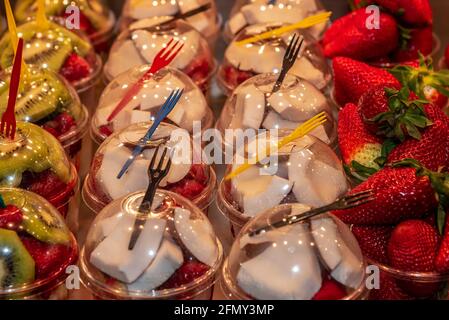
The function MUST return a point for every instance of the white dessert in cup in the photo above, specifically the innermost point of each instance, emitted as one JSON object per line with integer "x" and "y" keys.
{"x": 188, "y": 175}
{"x": 243, "y": 61}
{"x": 305, "y": 171}
{"x": 140, "y": 44}
{"x": 176, "y": 256}
{"x": 207, "y": 23}
{"x": 315, "y": 259}
{"x": 254, "y": 106}
{"x": 148, "y": 101}
{"x": 250, "y": 12}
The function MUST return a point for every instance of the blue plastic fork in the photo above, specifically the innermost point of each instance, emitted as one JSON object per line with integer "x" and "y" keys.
{"x": 163, "y": 112}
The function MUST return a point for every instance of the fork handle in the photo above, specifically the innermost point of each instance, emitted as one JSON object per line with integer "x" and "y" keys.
{"x": 279, "y": 81}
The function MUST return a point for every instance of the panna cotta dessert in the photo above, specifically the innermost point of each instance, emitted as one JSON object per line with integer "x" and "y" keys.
{"x": 96, "y": 19}
{"x": 250, "y": 12}
{"x": 253, "y": 106}
{"x": 188, "y": 175}
{"x": 35, "y": 161}
{"x": 314, "y": 259}
{"x": 304, "y": 171}
{"x": 36, "y": 248}
{"x": 207, "y": 22}
{"x": 243, "y": 61}
{"x": 46, "y": 99}
{"x": 141, "y": 43}
{"x": 177, "y": 255}
{"x": 147, "y": 102}
{"x": 58, "y": 49}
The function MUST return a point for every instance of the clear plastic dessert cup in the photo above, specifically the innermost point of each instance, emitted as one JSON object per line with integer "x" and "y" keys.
{"x": 65, "y": 52}
{"x": 139, "y": 44}
{"x": 48, "y": 100}
{"x": 176, "y": 256}
{"x": 35, "y": 161}
{"x": 145, "y": 105}
{"x": 314, "y": 259}
{"x": 36, "y": 248}
{"x": 242, "y": 62}
{"x": 253, "y": 106}
{"x": 96, "y": 19}
{"x": 208, "y": 23}
{"x": 188, "y": 175}
{"x": 249, "y": 12}
{"x": 305, "y": 171}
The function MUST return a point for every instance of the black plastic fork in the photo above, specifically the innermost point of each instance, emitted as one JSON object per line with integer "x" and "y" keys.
{"x": 290, "y": 57}
{"x": 156, "y": 174}
{"x": 347, "y": 202}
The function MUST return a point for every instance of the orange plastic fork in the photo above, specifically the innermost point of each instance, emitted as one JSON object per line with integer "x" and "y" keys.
{"x": 162, "y": 59}
{"x": 8, "y": 123}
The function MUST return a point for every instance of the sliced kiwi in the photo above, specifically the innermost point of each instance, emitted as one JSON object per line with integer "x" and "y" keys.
{"x": 57, "y": 158}
{"x": 17, "y": 267}
{"x": 24, "y": 9}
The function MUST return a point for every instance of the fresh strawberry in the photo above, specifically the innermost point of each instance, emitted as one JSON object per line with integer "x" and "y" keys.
{"x": 233, "y": 77}
{"x": 197, "y": 172}
{"x": 199, "y": 69}
{"x": 419, "y": 41}
{"x": 49, "y": 258}
{"x": 412, "y": 12}
{"x": 188, "y": 188}
{"x": 51, "y": 130}
{"x": 65, "y": 122}
{"x": 353, "y": 78}
{"x": 431, "y": 150}
{"x": 413, "y": 246}
{"x": 46, "y": 184}
{"x": 187, "y": 273}
{"x": 442, "y": 258}
{"x": 75, "y": 68}
{"x": 356, "y": 41}
{"x": 106, "y": 130}
{"x": 10, "y": 217}
{"x": 358, "y": 147}
{"x": 330, "y": 290}
{"x": 388, "y": 289}
{"x": 373, "y": 241}
{"x": 421, "y": 78}
{"x": 399, "y": 194}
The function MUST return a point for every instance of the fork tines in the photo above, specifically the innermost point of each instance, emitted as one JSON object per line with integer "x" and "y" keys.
{"x": 357, "y": 199}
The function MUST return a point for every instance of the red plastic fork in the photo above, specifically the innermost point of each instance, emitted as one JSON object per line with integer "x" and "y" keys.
{"x": 8, "y": 123}
{"x": 162, "y": 59}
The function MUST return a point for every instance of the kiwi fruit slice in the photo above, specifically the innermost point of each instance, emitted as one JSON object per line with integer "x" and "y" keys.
{"x": 17, "y": 267}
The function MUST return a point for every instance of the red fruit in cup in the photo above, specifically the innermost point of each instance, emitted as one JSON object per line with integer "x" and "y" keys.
{"x": 65, "y": 122}
{"x": 10, "y": 217}
{"x": 75, "y": 68}
{"x": 45, "y": 184}
{"x": 373, "y": 241}
{"x": 388, "y": 289}
{"x": 187, "y": 273}
{"x": 188, "y": 188}
{"x": 330, "y": 290}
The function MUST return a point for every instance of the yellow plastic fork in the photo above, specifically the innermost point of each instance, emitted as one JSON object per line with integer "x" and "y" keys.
{"x": 303, "y": 24}
{"x": 299, "y": 132}
{"x": 41, "y": 17}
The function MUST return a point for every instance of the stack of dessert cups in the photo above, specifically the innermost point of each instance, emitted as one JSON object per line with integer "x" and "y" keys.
{"x": 37, "y": 248}
{"x": 304, "y": 171}
{"x": 243, "y": 61}
{"x": 62, "y": 51}
{"x": 192, "y": 107}
{"x": 96, "y": 19}
{"x": 250, "y": 12}
{"x": 35, "y": 161}
{"x": 185, "y": 254}
{"x": 48, "y": 100}
{"x": 314, "y": 259}
{"x": 142, "y": 41}
{"x": 189, "y": 174}
{"x": 254, "y": 106}
{"x": 208, "y": 23}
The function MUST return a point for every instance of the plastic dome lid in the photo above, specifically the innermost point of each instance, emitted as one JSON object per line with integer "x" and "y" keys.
{"x": 145, "y": 105}
{"x": 244, "y": 61}
{"x": 188, "y": 176}
{"x": 305, "y": 171}
{"x": 141, "y": 42}
{"x": 203, "y": 22}
{"x": 96, "y": 15}
{"x": 301, "y": 259}
{"x": 176, "y": 255}
{"x": 253, "y": 106}
{"x": 250, "y": 12}
{"x": 36, "y": 246}
{"x": 46, "y": 99}
{"x": 57, "y": 49}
